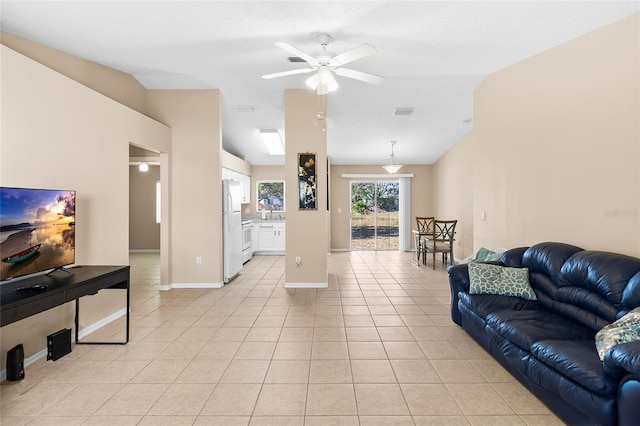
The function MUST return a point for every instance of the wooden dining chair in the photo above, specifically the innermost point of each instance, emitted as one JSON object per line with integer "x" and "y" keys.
{"x": 442, "y": 240}
{"x": 423, "y": 232}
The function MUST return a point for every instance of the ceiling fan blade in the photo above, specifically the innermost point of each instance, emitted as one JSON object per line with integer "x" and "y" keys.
{"x": 359, "y": 75}
{"x": 295, "y": 51}
{"x": 354, "y": 54}
{"x": 286, "y": 73}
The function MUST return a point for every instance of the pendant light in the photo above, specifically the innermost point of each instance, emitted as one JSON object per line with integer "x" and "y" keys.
{"x": 391, "y": 166}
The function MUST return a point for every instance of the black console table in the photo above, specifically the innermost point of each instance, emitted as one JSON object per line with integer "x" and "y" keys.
{"x": 62, "y": 287}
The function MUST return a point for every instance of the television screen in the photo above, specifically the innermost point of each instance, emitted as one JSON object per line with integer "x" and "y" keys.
{"x": 37, "y": 230}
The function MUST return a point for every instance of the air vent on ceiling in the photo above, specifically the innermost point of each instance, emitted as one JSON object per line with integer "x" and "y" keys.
{"x": 244, "y": 108}
{"x": 403, "y": 111}
{"x": 296, "y": 59}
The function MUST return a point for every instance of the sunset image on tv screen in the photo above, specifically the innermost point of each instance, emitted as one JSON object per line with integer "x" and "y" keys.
{"x": 37, "y": 230}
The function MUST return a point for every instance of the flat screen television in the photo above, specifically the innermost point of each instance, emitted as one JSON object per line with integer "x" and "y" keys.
{"x": 37, "y": 230}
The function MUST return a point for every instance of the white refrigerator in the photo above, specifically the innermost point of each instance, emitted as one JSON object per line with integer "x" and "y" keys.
{"x": 231, "y": 229}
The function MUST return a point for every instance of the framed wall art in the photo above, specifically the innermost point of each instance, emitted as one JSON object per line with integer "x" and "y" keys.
{"x": 307, "y": 181}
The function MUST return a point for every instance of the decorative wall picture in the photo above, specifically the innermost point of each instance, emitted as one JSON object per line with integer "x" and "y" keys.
{"x": 307, "y": 183}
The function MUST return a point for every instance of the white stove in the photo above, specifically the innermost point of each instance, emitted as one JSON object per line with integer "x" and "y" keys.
{"x": 247, "y": 243}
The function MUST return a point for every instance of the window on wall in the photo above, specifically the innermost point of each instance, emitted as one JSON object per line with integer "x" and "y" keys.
{"x": 270, "y": 195}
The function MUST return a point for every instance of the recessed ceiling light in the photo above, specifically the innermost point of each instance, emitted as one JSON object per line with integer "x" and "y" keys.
{"x": 244, "y": 108}
{"x": 273, "y": 141}
{"x": 403, "y": 111}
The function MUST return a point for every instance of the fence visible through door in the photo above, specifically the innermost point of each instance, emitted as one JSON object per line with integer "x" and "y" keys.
{"x": 374, "y": 216}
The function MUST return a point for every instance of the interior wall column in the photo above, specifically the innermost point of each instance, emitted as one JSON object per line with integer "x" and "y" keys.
{"x": 306, "y": 230}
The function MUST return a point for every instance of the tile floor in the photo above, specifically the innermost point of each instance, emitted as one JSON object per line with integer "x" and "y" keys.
{"x": 376, "y": 348}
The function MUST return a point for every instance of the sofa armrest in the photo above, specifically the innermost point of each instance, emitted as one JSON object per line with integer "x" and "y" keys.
{"x": 458, "y": 281}
{"x": 627, "y": 400}
{"x": 623, "y": 359}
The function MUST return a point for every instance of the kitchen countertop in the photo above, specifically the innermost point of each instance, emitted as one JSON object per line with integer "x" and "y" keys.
{"x": 263, "y": 220}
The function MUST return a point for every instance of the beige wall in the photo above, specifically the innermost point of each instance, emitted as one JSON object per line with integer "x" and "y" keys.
{"x": 232, "y": 162}
{"x": 68, "y": 136}
{"x": 306, "y": 229}
{"x": 556, "y": 147}
{"x": 196, "y": 189}
{"x": 114, "y": 84}
{"x": 453, "y": 185}
{"x": 340, "y": 202}
{"x": 144, "y": 232}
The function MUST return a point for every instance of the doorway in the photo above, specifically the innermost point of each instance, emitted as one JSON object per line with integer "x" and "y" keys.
{"x": 146, "y": 220}
{"x": 375, "y": 218}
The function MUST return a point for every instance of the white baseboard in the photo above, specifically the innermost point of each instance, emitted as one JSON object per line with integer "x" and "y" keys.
{"x": 196, "y": 285}
{"x": 306, "y": 285}
{"x": 82, "y": 333}
{"x": 104, "y": 321}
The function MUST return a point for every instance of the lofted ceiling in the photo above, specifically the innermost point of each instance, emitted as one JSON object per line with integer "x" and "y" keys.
{"x": 433, "y": 55}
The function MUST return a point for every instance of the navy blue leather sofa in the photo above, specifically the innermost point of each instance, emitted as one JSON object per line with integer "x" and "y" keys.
{"x": 548, "y": 344}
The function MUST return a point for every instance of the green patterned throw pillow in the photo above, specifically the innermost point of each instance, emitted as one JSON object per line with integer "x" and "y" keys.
{"x": 624, "y": 330}
{"x": 486, "y": 255}
{"x": 493, "y": 279}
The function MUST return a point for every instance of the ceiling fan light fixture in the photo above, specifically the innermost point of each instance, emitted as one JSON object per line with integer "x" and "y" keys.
{"x": 391, "y": 166}
{"x": 313, "y": 81}
{"x": 273, "y": 141}
{"x": 325, "y": 76}
{"x": 322, "y": 82}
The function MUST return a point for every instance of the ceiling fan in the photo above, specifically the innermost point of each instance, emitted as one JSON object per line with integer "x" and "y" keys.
{"x": 326, "y": 63}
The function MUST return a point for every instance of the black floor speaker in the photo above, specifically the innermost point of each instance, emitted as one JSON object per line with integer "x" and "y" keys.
{"x": 15, "y": 363}
{"x": 58, "y": 344}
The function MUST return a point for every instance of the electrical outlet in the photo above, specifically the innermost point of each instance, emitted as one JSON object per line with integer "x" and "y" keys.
{"x": 298, "y": 261}
{"x": 198, "y": 261}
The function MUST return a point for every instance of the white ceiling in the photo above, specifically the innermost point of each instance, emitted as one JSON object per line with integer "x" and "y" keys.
{"x": 433, "y": 55}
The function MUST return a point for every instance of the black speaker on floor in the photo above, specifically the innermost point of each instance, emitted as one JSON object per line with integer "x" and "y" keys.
{"x": 58, "y": 344}
{"x": 15, "y": 363}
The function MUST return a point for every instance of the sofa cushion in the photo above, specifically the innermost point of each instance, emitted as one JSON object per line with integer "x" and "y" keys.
{"x": 624, "y": 330}
{"x": 524, "y": 328}
{"x": 548, "y": 258}
{"x": 578, "y": 360}
{"x": 493, "y": 279}
{"x": 513, "y": 257}
{"x": 605, "y": 275}
{"x": 596, "y": 409}
{"x": 484, "y": 304}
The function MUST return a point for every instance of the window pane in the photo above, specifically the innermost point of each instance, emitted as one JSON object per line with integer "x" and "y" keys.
{"x": 270, "y": 196}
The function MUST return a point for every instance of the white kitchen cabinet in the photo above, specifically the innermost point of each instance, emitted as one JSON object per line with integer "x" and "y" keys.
{"x": 246, "y": 188}
{"x": 271, "y": 237}
{"x": 245, "y": 183}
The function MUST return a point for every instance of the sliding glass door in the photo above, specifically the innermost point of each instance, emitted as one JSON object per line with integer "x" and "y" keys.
{"x": 374, "y": 216}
